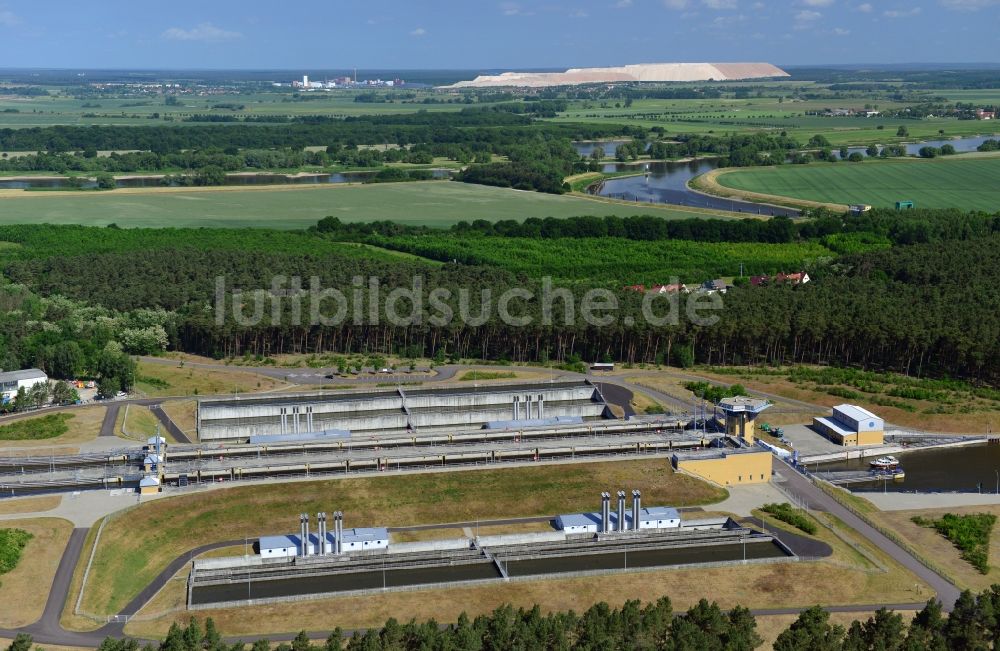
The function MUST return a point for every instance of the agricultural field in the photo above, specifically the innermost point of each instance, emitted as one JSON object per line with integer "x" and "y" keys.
{"x": 431, "y": 203}
{"x": 964, "y": 182}
{"x": 145, "y": 111}
{"x": 753, "y": 114}
{"x": 613, "y": 260}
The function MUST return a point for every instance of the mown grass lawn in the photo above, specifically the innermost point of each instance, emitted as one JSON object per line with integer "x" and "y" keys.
{"x": 968, "y": 183}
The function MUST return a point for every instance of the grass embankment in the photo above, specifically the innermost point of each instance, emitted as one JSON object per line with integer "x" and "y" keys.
{"x": 947, "y": 557}
{"x": 28, "y": 567}
{"x": 49, "y": 426}
{"x": 129, "y": 558}
{"x": 432, "y": 203}
{"x": 969, "y": 533}
{"x": 158, "y": 380}
{"x": 29, "y": 504}
{"x": 64, "y": 428}
{"x": 922, "y": 403}
{"x": 474, "y": 376}
{"x": 967, "y": 182}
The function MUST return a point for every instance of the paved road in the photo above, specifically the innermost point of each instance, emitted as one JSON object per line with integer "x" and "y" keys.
{"x": 110, "y": 418}
{"x": 806, "y": 493}
{"x": 170, "y": 425}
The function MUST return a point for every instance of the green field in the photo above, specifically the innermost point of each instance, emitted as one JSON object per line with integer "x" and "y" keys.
{"x": 961, "y": 182}
{"x": 613, "y": 260}
{"x": 431, "y": 203}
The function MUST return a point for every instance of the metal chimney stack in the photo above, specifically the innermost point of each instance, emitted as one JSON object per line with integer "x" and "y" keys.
{"x": 305, "y": 536}
{"x": 636, "y": 503}
{"x": 621, "y": 510}
{"x": 605, "y": 512}
{"x": 338, "y": 532}
{"x": 321, "y": 521}
{"x": 303, "y": 543}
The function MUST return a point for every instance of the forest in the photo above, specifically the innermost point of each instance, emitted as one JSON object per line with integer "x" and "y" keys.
{"x": 972, "y": 624}
{"x": 925, "y": 306}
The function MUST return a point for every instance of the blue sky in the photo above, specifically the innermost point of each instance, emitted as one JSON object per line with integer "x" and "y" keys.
{"x": 409, "y": 34}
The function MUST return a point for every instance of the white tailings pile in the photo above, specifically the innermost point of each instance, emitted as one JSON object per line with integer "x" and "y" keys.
{"x": 630, "y": 73}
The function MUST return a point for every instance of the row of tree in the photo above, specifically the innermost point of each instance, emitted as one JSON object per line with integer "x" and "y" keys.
{"x": 973, "y": 624}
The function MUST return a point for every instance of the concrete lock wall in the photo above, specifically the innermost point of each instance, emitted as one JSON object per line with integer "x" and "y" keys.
{"x": 221, "y": 419}
{"x": 745, "y": 468}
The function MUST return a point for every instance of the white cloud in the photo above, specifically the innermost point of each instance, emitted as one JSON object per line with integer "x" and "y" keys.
{"x": 623, "y": 4}
{"x": 840, "y": 31}
{"x": 901, "y": 13}
{"x": 720, "y": 4}
{"x": 8, "y": 18}
{"x": 969, "y": 5}
{"x": 578, "y": 13}
{"x": 865, "y": 8}
{"x": 514, "y": 9}
{"x": 206, "y": 32}
{"x": 420, "y": 31}
{"x": 805, "y": 19}
{"x": 676, "y": 4}
{"x": 817, "y": 3}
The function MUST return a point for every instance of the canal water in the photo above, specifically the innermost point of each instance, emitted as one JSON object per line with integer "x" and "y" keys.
{"x": 664, "y": 182}
{"x": 231, "y": 180}
{"x": 374, "y": 580}
{"x": 968, "y": 469}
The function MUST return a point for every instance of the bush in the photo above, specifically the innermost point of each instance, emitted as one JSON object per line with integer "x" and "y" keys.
{"x": 790, "y": 515}
{"x": 12, "y": 543}
{"x": 33, "y": 429}
{"x": 969, "y": 533}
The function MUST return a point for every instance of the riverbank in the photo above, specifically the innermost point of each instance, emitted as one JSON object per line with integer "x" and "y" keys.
{"x": 707, "y": 184}
{"x": 895, "y": 501}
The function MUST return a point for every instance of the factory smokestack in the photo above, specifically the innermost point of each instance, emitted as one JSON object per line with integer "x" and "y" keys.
{"x": 302, "y": 535}
{"x": 636, "y": 498}
{"x": 621, "y": 510}
{"x": 321, "y": 519}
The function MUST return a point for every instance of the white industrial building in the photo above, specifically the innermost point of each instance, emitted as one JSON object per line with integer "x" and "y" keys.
{"x": 656, "y": 517}
{"x": 324, "y": 542}
{"x": 12, "y": 381}
{"x": 851, "y": 425}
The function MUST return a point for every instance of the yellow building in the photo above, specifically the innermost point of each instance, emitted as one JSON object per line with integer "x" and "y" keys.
{"x": 851, "y": 425}
{"x": 741, "y": 416}
{"x": 727, "y": 467}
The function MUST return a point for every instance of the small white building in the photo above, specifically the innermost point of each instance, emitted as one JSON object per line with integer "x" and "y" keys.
{"x": 354, "y": 540}
{"x": 659, "y": 517}
{"x": 364, "y": 538}
{"x": 656, "y": 517}
{"x": 579, "y": 522}
{"x": 11, "y": 381}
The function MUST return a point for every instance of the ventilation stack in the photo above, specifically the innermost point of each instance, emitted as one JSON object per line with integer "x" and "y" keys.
{"x": 605, "y": 512}
{"x": 621, "y": 510}
{"x": 636, "y": 504}
{"x": 339, "y": 532}
{"x": 303, "y": 534}
{"x": 321, "y": 523}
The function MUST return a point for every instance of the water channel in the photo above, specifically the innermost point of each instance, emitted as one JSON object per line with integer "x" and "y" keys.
{"x": 333, "y": 583}
{"x": 967, "y": 469}
{"x": 666, "y": 182}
